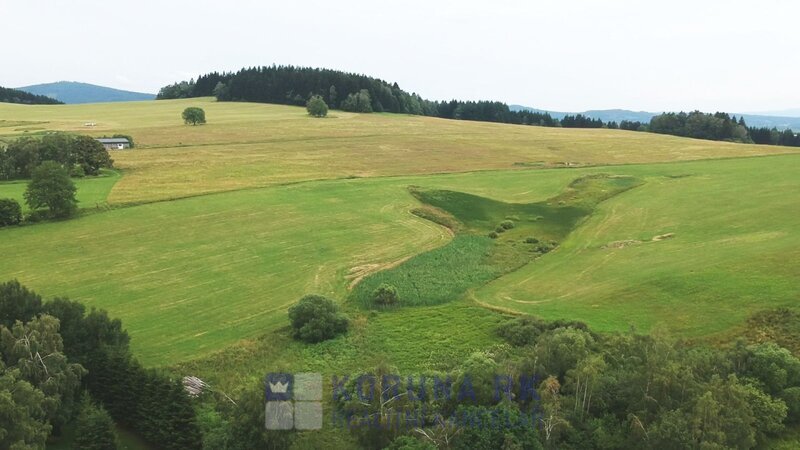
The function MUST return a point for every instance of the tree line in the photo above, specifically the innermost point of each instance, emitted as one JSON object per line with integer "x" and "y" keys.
{"x": 80, "y": 155}
{"x": 8, "y": 95}
{"x": 290, "y": 85}
{"x": 575, "y": 388}
{"x": 50, "y": 163}
{"x": 567, "y": 387}
{"x": 56, "y": 352}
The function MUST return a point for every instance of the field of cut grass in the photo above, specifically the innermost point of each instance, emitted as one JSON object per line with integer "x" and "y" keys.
{"x": 92, "y": 191}
{"x": 698, "y": 248}
{"x": 194, "y": 276}
{"x": 247, "y": 145}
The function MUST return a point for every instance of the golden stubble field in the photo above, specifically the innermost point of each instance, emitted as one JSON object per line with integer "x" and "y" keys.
{"x": 247, "y": 145}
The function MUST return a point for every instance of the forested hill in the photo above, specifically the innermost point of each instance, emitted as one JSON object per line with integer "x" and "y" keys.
{"x": 8, "y": 95}
{"x": 289, "y": 85}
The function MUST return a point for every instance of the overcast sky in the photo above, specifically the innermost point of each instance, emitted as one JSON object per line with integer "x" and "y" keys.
{"x": 736, "y": 56}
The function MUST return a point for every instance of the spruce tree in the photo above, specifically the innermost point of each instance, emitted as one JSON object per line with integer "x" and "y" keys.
{"x": 94, "y": 428}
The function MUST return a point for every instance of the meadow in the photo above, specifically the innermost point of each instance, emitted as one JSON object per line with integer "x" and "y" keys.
{"x": 698, "y": 248}
{"x": 202, "y": 237}
{"x": 268, "y": 204}
{"x": 248, "y": 145}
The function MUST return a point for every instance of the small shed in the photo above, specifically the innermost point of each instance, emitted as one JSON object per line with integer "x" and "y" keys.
{"x": 115, "y": 143}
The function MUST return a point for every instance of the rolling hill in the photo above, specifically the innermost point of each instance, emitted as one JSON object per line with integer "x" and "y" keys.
{"x": 202, "y": 237}
{"x": 72, "y": 92}
{"x": 263, "y": 204}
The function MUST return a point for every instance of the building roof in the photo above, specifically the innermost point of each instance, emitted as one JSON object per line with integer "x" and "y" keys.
{"x": 113, "y": 141}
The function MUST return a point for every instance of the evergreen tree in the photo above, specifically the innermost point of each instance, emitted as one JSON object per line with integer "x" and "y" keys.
{"x": 94, "y": 429}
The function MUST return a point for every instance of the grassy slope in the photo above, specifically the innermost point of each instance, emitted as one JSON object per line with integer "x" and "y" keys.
{"x": 192, "y": 276}
{"x": 735, "y": 251}
{"x": 196, "y": 275}
{"x": 174, "y": 271}
{"x": 247, "y": 145}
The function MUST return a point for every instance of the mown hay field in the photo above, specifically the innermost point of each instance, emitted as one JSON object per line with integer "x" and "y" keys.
{"x": 247, "y": 145}
{"x": 246, "y": 233}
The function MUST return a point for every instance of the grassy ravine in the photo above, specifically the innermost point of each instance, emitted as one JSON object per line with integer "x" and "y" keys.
{"x": 483, "y": 249}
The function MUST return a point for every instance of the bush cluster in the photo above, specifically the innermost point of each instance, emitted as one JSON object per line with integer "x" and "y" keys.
{"x": 316, "y": 318}
{"x": 10, "y": 212}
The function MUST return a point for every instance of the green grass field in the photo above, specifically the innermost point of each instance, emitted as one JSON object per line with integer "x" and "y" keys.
{"x": 92, "y": 191}
{"x": 247, "y": 145}
{"x": 216, "y": 270}
{"x": 733, "y": 251}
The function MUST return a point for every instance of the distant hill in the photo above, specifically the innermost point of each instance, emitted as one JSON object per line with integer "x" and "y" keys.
{"x": 618, "y": 115}
{"x": 74, "y": 92}
{"x": 8, "y": 95}
{"x": 791, "y": 112}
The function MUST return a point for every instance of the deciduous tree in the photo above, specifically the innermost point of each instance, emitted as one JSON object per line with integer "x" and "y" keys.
{"x": 51, "y": 187}
{"x": 194, "y": 115}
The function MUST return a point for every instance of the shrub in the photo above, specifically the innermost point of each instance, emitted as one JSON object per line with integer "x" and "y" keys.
{"x": 77, "y": 172}
{"x": 317, "y": 107}
{"x": 406, "y": 442}
{"x": 507, "y": 224}
{"x": 316, "y": 318}
{"x": 531, "y": 240}
{"x": 10, "y": 212}
{"x": 499, "y": 230}
{"x": 493, "y": 235}
{"x": 385, "y": 295}
{"x": 521, "y": 331}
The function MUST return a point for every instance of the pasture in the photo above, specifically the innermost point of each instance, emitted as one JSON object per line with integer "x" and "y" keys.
{"x": 267, "y": 204}
{"x": 247, "y": 145}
